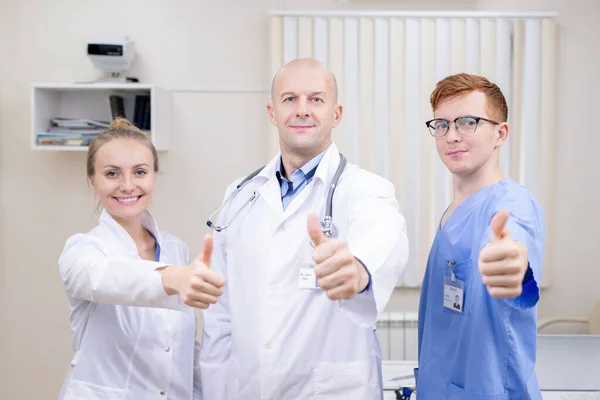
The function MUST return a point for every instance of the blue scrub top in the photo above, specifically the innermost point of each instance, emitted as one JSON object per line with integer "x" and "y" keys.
{"x": 488, "y": 351}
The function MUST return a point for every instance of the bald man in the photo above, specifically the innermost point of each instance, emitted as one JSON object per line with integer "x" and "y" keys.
{"x": 297, "y": 316}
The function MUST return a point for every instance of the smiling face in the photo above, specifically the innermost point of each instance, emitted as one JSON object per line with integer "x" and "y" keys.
{"x": 304, "y": 108}
{"x": 124, "y": 178}
{"x": 466, "y": 155}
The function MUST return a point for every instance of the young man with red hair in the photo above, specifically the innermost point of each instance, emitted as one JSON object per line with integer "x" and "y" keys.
{"x": 477, "y": 315}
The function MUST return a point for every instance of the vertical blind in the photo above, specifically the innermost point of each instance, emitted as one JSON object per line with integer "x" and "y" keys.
{"x": 387, "y": 65}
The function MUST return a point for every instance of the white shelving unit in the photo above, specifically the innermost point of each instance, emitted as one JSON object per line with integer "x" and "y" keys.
{"x": 91, "y": 101}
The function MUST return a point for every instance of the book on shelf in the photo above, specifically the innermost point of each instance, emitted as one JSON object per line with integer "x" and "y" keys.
{"x": 78, "y": 123}
{"x": 141, "y": 112}
{"x": 65, "y": 139}
{"x": 77, "y": 131}
{"x": 70, "y": 135}
{"x": 117, "y": 106}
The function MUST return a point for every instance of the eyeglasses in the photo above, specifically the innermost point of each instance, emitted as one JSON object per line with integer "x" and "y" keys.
{"x": 465, "y": 126}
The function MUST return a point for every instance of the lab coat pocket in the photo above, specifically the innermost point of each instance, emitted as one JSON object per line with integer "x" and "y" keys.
{"x": 463, "y": 271}
{"x": 80, "y": 390}
{"x": 351, "y": 380}
{"x": 457, "y": 393}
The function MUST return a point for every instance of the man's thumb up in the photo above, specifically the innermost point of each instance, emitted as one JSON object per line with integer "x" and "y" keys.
{"x": 207, "y": 250}
{"x": 498, "y": 225}
{"x": 314, "y": 230}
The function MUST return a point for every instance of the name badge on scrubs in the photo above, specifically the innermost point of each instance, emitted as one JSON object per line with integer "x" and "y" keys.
{"x": 453, "y": 291}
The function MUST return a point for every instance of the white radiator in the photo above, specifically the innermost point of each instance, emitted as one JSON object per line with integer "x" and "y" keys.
{"x": 397, "y": 333}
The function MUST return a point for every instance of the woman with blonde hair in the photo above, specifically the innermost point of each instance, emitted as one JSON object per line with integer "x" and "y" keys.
{"x": 131, "y": 288}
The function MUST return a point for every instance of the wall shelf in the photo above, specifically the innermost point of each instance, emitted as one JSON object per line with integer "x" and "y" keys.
{"x": 91, "y": 101}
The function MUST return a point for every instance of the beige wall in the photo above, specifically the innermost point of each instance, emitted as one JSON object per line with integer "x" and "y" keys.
{"x": 6, "y": 26}
{"x": 201, "y": 43}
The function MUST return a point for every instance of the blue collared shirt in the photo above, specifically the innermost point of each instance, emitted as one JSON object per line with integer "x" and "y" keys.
{"x": 298, "y": 179}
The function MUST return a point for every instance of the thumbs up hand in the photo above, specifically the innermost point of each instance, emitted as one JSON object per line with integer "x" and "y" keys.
{"x": 503, "y": 262}
{"x": 200, "y": 286}
{"x": 338, "y": 272}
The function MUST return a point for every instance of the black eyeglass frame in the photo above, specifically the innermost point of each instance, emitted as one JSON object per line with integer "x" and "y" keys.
{"x": 477, "y": 119}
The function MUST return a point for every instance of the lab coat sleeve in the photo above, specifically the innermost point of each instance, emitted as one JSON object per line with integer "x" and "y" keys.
{"x": 377, "y": 237}
{"x": 216, "y": 334}
{"x": 526, "y": 224}
{"x": 89, "y": 273}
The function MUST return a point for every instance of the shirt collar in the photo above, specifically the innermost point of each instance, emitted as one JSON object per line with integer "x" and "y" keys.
{"x": 325, "y": 170}
{"x": 307, "y": 170}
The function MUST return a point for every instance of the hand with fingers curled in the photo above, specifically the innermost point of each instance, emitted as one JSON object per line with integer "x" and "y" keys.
{"x": 503, "y": 262}
{"x": 197, "y": 284}
{"x": 338, "y": 272}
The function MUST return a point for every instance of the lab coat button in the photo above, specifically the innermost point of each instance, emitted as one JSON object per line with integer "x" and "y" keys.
{"x": 167, "y": 349}
{"x": 163, "y": 392}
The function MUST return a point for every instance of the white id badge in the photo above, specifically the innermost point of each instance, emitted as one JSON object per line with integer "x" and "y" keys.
{"x": 453, "y": 294}
{"x": 307, "y": 279}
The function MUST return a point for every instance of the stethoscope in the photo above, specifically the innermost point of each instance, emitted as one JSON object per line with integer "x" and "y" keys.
{"x": 327, "y": 225}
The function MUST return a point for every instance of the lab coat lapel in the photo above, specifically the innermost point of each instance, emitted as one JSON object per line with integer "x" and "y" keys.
{"x": 122, "y": 239}
{"x": 149, "y": 223}
{"x": 117, "y": 235}
{"x": 299, "y": 200}
{"x": 271, "y": 191}
{"x": 323, "y": 176}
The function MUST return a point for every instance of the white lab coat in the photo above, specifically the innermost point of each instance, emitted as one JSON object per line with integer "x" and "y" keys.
{"x": 132, "y": 341}
{"x": 267, "y": 338}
